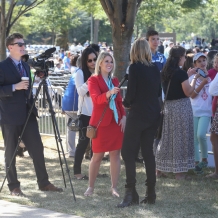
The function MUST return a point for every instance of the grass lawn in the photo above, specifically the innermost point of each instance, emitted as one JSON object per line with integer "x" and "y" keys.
{"x": 196, "y": 198}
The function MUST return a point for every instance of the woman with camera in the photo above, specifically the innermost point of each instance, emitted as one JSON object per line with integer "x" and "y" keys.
{"x": 201, "y": 102}
{"x": 85, "y": 107}
{"x": 109, "y": 118}
{"x": 141, "y": 98}
{"x": 175, "y": 151}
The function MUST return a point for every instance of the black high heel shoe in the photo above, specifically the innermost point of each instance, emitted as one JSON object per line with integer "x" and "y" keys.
{"x": 150, "y": 196}
{"x": 131, "y": 197}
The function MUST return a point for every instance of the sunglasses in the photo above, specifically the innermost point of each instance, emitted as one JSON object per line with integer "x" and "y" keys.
{"x": 90, "y": 60}
{"x": 20, "y": 44}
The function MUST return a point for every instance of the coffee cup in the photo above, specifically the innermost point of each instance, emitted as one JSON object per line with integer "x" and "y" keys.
{"x": 24, "y": 78}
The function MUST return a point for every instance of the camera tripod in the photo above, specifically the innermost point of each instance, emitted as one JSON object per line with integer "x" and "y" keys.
{"x": 56, "y": 132}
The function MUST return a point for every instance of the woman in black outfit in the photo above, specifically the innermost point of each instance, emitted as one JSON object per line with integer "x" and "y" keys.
{"x": 141, "y": 98}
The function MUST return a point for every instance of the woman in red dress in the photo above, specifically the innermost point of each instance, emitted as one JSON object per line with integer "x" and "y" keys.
{"x": 102, "y": 87}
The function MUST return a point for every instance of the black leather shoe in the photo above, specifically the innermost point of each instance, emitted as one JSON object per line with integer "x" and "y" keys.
{"x": 131, "y": 197}
{"x": 150, "y": 196}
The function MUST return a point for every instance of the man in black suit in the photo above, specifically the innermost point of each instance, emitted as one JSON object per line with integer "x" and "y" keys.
{"x": 14, "y": 107}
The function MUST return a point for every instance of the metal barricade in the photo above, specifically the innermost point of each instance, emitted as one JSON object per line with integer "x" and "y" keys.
{"x": 44, "y": 121}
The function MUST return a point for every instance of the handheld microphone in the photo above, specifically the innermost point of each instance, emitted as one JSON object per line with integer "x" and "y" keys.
{"x": 123, "y": 80}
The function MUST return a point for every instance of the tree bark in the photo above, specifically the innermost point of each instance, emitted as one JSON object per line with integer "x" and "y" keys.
{"x": 2, "y": 31}
{"x": 6, "y": 20}
{"x": 122, "y": 15}
{"x": 96, "y": 29}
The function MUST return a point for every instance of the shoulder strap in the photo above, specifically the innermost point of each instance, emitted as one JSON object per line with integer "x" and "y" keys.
{"x": 165, "y": 98}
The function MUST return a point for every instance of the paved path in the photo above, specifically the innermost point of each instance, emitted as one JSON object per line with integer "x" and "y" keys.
{"x": 8, "y": 209}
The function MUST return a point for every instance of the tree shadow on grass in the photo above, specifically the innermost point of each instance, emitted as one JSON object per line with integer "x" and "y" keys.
{"x": 174, "y": 198}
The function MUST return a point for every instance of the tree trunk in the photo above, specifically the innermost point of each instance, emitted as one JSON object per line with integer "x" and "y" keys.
{"x": 2, "y": 43}
{"x": 121, "y": 47}
{"x": 2, "y": 31}
{"x": 96, "y": 29}
{"x": 122, "y": 18}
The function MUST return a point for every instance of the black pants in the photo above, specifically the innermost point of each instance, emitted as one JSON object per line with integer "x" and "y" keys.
{"x": 81, "y": 146}
{"x": 33, "y": 143}
{"x": 139, "y": 134}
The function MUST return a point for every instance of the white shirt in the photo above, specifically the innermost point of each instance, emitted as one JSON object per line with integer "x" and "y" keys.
{"x": 202, "y": 103}
{"x": 85, "y": 102}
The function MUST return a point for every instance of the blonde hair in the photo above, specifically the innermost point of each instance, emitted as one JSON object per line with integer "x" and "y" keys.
{"x": 141, "y": 52}
{"x": 100, "y": 58}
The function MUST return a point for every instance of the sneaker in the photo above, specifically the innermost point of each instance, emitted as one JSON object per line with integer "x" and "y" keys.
{"x": 203, "y": 164}
{"x": 198, "y": 169}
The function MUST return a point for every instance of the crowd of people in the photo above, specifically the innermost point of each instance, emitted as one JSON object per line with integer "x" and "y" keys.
{"x": 184, "y": 84}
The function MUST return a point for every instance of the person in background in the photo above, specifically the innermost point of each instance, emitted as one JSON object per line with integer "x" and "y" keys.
{"x": 95, "y": 47}
{"x": 85, "y": 106}
{"x": 86, "y": 44}
{"x": 213, "y": 90}
{"x": 66, "y": 61}
{"x": 166, "y": 43}
{"x": 201, "y": 102}
{"x": 183, "y": 44}
{"x": 73, "y": 65}
{"x": 102, "y": 87}
{"x": 196, "y": 49}
{"x": 167, "y": 50}
{"x": 175, "y": 151}
{"x": 188, "y": 65}
{"x": 161, "y": 48}
{"x": 62, "y": 54}
{"x": 71, "y": 135}
{"x": 141, "y": 98}
{"x": 153, "y": 39}
{"x": 210, "y": 57}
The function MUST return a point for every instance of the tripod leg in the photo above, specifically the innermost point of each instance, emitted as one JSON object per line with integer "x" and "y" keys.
{"x": 21, "y": 135}
{"x": 58, "y": 140}
{"x": 57, "y": 135}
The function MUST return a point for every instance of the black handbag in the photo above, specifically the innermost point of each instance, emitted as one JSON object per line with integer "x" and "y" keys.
{"x": 74, "y": 123}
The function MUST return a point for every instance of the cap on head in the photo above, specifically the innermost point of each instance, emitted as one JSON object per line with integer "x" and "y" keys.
{"x": 198, "y": 55}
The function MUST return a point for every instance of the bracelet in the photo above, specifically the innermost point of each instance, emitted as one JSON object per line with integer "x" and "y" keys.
{"x": 196, "y": 92}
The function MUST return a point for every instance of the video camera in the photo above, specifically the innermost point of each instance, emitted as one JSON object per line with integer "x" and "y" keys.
{"x": 41, "y": 64}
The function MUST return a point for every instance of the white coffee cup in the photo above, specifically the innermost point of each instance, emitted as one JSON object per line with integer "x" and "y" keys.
{"x": 24, "y": 78}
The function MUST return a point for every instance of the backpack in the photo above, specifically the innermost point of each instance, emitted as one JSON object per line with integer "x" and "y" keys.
{"x": 70, "y": 98}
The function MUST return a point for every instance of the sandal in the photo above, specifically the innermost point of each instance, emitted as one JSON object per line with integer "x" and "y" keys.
{"x": 212, "y": 176}
{"x": 82, "y": 178}
{"x": 114, "y": 192}
{"x": 89, "y": 192}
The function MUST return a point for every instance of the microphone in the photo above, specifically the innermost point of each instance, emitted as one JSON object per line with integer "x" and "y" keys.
{"x": 121, "y": 83}
{"x": 123, "y": 80}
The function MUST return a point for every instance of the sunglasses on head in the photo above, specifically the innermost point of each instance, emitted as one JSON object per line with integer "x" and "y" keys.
{"x": 90, "y": 60}
{"x": 20, "y": 44}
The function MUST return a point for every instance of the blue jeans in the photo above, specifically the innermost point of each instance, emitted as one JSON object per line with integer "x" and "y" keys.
{"x": 200, "y": 130}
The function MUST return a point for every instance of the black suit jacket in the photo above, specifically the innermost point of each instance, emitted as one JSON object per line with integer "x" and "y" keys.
{"x": 13, "y": 105}
{"x": 143, "y": 90}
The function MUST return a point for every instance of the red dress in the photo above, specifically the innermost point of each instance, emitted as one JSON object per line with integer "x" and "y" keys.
{"x": 109, "y": 135}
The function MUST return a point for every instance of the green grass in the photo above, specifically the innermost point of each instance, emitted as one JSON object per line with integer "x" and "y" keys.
{"x": 175, "y": 199}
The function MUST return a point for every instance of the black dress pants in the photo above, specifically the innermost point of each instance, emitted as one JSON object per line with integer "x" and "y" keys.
{"x": 82, "y": 145}
{"x": 139, "y": 134}
{"x": 33, "y": 143}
